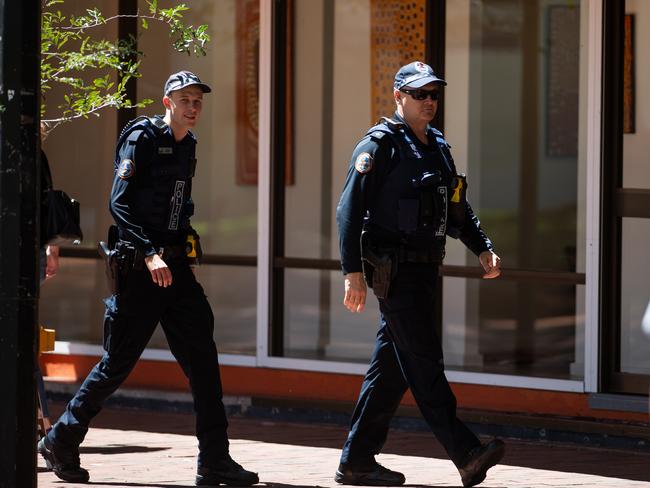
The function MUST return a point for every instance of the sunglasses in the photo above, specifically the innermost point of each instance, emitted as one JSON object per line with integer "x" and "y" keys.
{"x": 422, "y": 94}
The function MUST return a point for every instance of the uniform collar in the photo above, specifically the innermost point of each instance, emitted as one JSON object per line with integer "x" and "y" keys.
{"x": 431, "y": 132}
{"x": 167, "y": 131}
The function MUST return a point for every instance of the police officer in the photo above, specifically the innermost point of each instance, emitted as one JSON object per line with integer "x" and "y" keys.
{"x": 152, "y": 205}
{"x": 402, "y": 196}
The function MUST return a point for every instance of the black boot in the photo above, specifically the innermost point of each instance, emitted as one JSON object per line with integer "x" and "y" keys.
{"x": 373, "y": 474}
{"x": 225, "y": 472}
{"x": 64, "y": 463}
{"x": 479, "y": 460}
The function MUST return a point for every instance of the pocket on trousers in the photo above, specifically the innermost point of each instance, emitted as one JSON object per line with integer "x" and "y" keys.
{"x": 112, "y": 329}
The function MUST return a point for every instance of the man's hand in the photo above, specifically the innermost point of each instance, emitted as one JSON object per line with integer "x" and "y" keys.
{"x": 355, "y": 292}
{"x": 52, "y": 262}
{"x": 160, "y": 273}
{"x": 491, "y": 264}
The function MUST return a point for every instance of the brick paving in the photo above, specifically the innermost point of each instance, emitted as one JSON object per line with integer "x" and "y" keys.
{"x": 131, "y": 448}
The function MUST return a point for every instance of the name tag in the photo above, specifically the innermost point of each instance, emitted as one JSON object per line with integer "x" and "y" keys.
{"x": 165, "y": 150}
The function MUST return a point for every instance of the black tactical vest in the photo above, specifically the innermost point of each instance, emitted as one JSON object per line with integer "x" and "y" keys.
{"x": 411, "y": 202}
{"x": 163, "y": 201}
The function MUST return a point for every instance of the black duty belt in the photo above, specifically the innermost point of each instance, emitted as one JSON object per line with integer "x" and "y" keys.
{"x": 425, "y": 256}
{"x": 173, "y": 252}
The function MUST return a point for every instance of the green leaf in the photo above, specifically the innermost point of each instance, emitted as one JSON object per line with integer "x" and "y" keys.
{"x": 83, "y": 65}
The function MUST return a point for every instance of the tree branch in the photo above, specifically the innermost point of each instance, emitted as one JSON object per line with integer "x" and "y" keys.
{"x": 78, "y": 116}
{"x": 120, "y": 16}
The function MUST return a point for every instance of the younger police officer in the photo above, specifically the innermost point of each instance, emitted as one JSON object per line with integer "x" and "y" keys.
{"x": 401, "y": 197}
{"x": 152, "y": 205}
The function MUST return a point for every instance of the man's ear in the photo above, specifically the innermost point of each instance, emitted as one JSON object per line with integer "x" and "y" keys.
{"x": 167, "y": 102}
{"x": 397, "y": 97}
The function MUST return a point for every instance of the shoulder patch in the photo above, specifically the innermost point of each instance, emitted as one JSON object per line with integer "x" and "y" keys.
{"x": 391, "y": 123}
{"x": 126, "y": 169}
{"x": 363, "y": 163}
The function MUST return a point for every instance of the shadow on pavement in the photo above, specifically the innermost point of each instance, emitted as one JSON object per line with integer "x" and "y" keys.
{"x": 119, "y": 449}
{"x": 140, "y": 485}
{"x": 569, "y": 458}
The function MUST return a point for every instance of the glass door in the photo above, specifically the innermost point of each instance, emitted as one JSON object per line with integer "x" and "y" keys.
{"x": 626, "y": 280}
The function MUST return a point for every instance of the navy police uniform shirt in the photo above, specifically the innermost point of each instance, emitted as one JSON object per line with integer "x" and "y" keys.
{"x": 151, "y": 196}
{"x": 379, "y": 189}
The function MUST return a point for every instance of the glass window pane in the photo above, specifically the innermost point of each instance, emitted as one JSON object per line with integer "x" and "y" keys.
{"x": 512, "y": 116}
{"x": 345, "y": 57}
{"x": 225, "y": 187}
{"x": 224, "y": 191}
{"x": 634, "y": 271}
{"x": 71, "y": 303}
{"x": 636, "y": 96}
{"x": 635, "y": 297}
{"x": 232, "y": 292}
{"x": 318, "y": 326}
{"x": 516, "y": 74}
{"x": 81, "y": 152}
{"x": 486, "y": 331}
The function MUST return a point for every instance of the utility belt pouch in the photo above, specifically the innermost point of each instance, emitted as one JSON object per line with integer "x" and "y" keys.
{"x": 113, "y": 236}
{"x": 129, "y": 257}
{"x": 457, "y": 203}
{"x": 111, "y": 266}
{"x": 193, "y": 248}
{"x": 379, "y": 267}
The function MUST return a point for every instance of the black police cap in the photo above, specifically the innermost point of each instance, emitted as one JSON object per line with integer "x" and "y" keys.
{"x": 416, "y": 75}
{"x": 182, "y": 79}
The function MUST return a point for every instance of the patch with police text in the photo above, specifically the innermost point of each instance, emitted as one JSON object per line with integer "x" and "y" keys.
{"x": 126, "y": 169}
{"x": 177, "y": 204}
{"x": 363, "y": 163}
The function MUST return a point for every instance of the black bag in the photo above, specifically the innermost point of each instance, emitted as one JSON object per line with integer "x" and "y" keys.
{"x": 60, "y": 219}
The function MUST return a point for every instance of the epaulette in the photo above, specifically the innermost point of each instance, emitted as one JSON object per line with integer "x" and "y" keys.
{"x": 135, "y": 128}
{"x": 391, "y": 123}
{"x": 378, "y": 131}
{"x": 384, "y": 126}
{"x": 130, "y": 125}
{"x": 158, "y": 123}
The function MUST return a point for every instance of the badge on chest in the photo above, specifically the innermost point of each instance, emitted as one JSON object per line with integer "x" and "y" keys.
{"x": 165, "y": 150}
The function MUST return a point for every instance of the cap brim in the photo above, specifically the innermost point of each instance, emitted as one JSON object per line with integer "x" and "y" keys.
{"x": 204, "y": 88}
{"x": 420, "y": 82}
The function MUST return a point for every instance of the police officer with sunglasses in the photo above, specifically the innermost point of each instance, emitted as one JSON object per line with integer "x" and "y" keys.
{"x": 401, "y": 198}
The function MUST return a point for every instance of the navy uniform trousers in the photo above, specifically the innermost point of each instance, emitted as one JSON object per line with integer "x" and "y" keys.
{"x": 129, "y": 322}
{"x": 408, "y": 354}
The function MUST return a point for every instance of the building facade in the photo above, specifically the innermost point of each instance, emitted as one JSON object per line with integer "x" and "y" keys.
{"x": 545, "y": 112}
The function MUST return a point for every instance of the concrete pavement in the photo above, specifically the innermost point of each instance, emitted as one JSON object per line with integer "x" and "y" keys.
{"x": 131, "y": 448}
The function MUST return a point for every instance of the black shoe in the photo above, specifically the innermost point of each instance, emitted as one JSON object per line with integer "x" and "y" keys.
{"x": 225, "y": 472}
{"x": 65, "y": 464}
{"x": 479, "y": 460}
{"x": 371, "y": 475}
